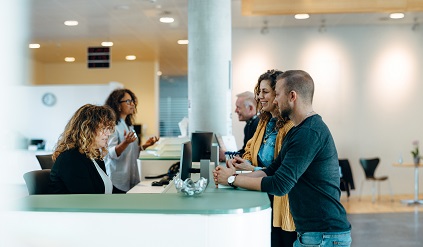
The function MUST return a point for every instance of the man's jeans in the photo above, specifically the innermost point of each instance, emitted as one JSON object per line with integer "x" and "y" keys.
{"x": 323, "y": 239}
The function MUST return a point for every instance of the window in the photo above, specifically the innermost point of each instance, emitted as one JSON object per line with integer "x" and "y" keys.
{"x": 173, "y": 104}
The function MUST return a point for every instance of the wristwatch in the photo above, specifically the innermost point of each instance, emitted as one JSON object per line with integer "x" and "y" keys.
{"x": 231, "y": 180}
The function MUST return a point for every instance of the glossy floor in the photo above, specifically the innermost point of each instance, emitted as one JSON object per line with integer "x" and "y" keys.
{"x": 386, "y": 222}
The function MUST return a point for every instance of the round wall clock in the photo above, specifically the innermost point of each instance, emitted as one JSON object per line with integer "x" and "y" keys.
{"x": 49, "y": 99}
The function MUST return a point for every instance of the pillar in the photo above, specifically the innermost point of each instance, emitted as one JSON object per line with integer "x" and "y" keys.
{"x": 209, "y": 66}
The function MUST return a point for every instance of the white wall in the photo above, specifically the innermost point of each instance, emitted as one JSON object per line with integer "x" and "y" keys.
{"x": 368, "y": 87}
{"x": 48, "y": 122}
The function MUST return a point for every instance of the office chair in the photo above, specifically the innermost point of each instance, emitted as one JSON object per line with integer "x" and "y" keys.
{"x": 369, "y": 167}
{"x": 37, "y": 181}
{"x": 45, "y": 160}
{"x": 347, "y": 181}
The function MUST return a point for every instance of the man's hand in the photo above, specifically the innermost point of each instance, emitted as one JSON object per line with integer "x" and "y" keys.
{"x": 221, "y": 174}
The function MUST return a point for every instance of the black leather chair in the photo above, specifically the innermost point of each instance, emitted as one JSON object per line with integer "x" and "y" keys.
{"x": 37, "y": 181}
{"x": 45, "y": 160}
{"x": 347, "y": 181}
{"x": 369, "y": 167}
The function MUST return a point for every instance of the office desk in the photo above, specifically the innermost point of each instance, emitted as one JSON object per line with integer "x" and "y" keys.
{"x": 152, "y": 161}
{"x": 416, "y": 183}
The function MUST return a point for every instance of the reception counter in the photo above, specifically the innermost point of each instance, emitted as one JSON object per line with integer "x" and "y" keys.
{"x": 213, "y": 201}
{"x": 218, "y": 217}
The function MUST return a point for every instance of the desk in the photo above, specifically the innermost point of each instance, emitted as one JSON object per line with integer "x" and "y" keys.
{"x": 416, "y": 183}
{"x": 219, "y": 217}
{"x": 157, "y": 159}
{"x": 211, "y": 219}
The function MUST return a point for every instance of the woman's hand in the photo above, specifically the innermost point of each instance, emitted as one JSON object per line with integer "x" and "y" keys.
{"x": 129, "y": 136}
{"x": 150, "y": 142}
{"x": 240, "y": 164}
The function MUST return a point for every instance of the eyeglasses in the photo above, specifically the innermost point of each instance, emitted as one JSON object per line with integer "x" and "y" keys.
{"x": 128, "y": 101}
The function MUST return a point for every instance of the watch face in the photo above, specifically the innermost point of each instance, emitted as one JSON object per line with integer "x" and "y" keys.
{"x": 49, "y": 99}
{"x": 231, "y": 179}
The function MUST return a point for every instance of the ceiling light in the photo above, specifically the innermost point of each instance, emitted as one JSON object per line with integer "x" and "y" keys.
{"x": 166, "y": 19}
{"x": 183, "y": 42}
{"x": 69, "y": 59}
{"x": 396, "y": 15}
{"x": 71, "y": 23}
{"x": 302, "y": 16}
{"x": 107, "y": 43}
{"x": 131, "y": 57}
{"x": 159, "y": 73}
{"x": 34, "y": 46}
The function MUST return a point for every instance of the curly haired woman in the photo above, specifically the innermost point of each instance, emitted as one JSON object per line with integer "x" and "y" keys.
{"x": 79, "y": 167}
{"x": 264, "y": 147}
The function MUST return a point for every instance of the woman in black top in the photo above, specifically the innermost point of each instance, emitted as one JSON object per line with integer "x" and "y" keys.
{"x": 79, "y": 167}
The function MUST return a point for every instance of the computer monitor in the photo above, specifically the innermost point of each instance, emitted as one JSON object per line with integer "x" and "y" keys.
{"x": 201, "y": 145}
{"x": 186, "y": 160}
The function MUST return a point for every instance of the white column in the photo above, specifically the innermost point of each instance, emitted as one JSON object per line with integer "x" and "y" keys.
{"x": 209, "y": 66}
{"x": 14, "y": 19}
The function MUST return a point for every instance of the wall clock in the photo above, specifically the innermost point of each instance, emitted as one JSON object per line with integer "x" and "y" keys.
{"x": 49, "y": 99}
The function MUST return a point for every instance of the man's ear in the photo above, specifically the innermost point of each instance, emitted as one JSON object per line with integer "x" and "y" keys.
{"x": 251, "y": 107}
{"x": 292, "y": 96}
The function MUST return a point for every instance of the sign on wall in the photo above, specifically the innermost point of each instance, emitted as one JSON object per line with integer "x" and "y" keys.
{"x": 98, "y": 57}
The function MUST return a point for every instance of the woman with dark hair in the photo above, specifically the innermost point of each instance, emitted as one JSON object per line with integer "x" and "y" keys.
{"x": 79, "y": 167}
{"x": 121, "y": 163}
{"x": 264, "y": 147}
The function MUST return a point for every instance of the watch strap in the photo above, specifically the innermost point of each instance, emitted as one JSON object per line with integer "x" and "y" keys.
{"x": 232, "y": 184}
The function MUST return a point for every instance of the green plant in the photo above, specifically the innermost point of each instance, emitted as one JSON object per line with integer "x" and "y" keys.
{"x": 415, "y": 152}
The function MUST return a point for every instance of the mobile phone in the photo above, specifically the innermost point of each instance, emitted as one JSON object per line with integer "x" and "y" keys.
{"x": 135, "y": 133}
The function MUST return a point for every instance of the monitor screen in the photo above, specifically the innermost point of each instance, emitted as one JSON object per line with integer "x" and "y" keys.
{"x": 186, "y": 160}
{"x": 201, "y": 145}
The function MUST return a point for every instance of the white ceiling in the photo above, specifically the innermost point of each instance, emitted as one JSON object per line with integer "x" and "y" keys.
{"x": 134, "y": 28}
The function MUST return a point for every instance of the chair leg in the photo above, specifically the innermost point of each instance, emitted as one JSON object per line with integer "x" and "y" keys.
{"x": 361, "y": 189}
{"x": 373, "y": 191}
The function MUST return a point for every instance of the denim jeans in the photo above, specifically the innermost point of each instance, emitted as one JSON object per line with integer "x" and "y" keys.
{"x": 323, "y": 239}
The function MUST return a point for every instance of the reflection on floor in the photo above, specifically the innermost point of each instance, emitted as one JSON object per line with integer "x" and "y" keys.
{"x": 386, "y": 222}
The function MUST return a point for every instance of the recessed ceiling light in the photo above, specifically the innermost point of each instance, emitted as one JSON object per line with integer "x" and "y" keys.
{"x": 131, "y": 57}
{"x": 159, "y": 73}
{"x": 396, "y": 15}
{"x": 167, "y": 19}
{"x": 107, "y": 43}
{"x": 34, "y": 46}
{"x": 71, "y": 23}
{"x": 69, "y": 59}
{"x": 302, "y": 16}
{"x": 183, "y": 42}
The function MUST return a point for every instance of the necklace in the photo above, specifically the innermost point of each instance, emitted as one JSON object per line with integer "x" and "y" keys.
{"x": 267, "y": 135}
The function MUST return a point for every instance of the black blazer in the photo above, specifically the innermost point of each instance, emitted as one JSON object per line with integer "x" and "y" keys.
{"x": 75, "y": 173}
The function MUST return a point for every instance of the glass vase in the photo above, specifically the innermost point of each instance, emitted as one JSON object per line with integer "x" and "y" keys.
{"x": 416, "y": 161}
